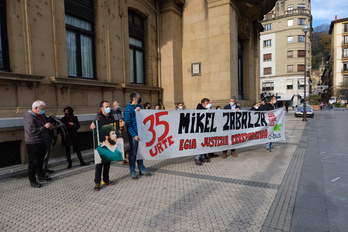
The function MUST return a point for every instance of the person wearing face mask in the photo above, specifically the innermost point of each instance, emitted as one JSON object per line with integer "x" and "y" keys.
{"x": 180, "y": 106}
{"x": 254, "y": 107}
{"x": 231, "y": 106}
{"x": 132, "y": 129}
{"x": 105, "y": 114}
{"x": 271, "y": 105}
{"x": 116, "y": 111}
{"x": 36, "y": 135}
{"x": 147, "y": 106}
{"x": 71, "y": 136}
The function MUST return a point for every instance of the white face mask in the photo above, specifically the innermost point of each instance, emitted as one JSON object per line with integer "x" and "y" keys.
{"x": 208, "y": 106}
{"x": 256, "y": 107}
{"x": 275, "y": 101}
{"x": 231, "y": 103}
{"x": 180, "y": 107}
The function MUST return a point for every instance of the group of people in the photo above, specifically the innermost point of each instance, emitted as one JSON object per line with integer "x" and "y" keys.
{"x": 37, "y": 128}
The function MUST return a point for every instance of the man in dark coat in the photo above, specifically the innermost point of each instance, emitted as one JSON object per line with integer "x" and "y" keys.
{"x": 231, "y": 106}
{"x": 37, "y": 138}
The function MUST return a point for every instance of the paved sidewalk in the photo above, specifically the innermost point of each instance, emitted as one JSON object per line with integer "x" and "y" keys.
{"x": 257, "y": 191}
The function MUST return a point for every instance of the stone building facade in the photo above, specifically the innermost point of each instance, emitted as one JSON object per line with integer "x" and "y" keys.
{"x": 79, "y": 52}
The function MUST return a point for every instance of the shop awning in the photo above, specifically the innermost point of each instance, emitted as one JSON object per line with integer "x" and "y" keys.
{"x": 285, "y": 97}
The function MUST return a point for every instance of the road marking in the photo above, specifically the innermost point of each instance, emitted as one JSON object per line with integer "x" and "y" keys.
{"x": 335, "y": 179}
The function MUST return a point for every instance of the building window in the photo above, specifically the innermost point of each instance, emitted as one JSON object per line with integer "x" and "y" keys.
{"x": 345, "y": 80}
{"x": 290, "y": 54}
{"x": 4, "y": 58}
{"x": 301, "y": 53}
{"x": 289, "y": 86}
{"x": 267, "y": 27}
{"x": 300, "y": 84}
{"x": 345, "y": 27}
{"x": 136, "y": 48}
{"x": 267, "y": 57}
{"x": 300, "y": 38}
{"x": 346, "y": 39}
{"x": 300, "y": 21}
{"x": 301, "y": 6}
{"x": 345, "y": 52}
{"x": 267, "y": 71}
{"x": 267, "y": 86}
{"x": 290, "y": 22}
{"x": 290, "y": 68}
{"x": 79, "y": 20}
{"x": 300, "y": 68}
{"x": 345, "y": 66}
{"x": 290, "y": 39}
{"x": 267, "y": 43}
{"x": 290, "y": 7}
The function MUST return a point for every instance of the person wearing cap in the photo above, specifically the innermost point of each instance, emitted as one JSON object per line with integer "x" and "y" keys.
{"x": 231, "y": 106}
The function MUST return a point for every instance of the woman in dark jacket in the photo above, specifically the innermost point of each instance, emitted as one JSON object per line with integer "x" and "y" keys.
{"x": 71, "y": 138}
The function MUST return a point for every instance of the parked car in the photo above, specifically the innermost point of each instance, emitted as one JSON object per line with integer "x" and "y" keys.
{"x": 299, "y": 111}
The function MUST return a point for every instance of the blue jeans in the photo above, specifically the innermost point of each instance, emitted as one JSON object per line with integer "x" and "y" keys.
{"x": 269, "y": 145}
{"x": 133, "y": 155}
{"x": 197, "y": 157}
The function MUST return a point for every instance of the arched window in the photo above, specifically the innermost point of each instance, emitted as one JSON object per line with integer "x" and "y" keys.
{"x": 136, "y": 48}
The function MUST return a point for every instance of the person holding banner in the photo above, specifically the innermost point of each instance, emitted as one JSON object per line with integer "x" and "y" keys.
{"x": 204, "y": 105}
{"x": 131, "y": 124}
{"x": 270, "y": 106}
{"x": 104, "y": 115}
{"x": 231, "y": 106}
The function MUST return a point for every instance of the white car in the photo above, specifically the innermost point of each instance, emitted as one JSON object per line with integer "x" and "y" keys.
{"x": 299, "y": 111}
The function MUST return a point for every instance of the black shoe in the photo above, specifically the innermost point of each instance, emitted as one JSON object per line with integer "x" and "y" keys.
{"x": 44, "y": 178}
{"x": 50, "y": 171}
{"x": 269, "y": 149}
{"x": 35, "y": 185}
{"x": 198, "y": 162}
{"x": 69, "y": 165}
{"x": 85, "y": 164}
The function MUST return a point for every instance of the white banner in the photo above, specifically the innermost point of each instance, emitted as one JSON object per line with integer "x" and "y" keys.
{"x": 168, "y": 134}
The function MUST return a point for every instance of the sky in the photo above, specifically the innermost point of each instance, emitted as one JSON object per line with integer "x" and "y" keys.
{"x": 324, "y": 11}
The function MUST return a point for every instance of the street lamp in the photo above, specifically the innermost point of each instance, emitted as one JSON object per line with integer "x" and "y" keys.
{"x": 305, "y": 29}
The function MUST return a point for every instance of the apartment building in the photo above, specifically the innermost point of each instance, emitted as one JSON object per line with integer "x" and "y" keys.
{"x": 336, "y": 70}
{"x": 282, "y": 51}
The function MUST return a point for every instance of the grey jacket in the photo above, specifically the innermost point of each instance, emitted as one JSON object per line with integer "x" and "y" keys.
{"x": 34, "y": 129}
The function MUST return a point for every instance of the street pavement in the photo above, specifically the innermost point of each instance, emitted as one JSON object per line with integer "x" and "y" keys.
{"x": 300, "y": 186}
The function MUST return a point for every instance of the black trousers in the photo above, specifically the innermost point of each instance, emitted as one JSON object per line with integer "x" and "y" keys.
{"x": 46, "y": 156}
{"x": 36, "y": 153}
{"x": 77, "y": 150}
{"x": 98, "y": 172}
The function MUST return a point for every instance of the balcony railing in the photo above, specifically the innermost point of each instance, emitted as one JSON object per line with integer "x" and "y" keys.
{"x": 283, "y": 14}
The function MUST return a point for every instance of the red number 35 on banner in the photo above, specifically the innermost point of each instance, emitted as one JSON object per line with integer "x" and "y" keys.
{"x": 155, "y": 121}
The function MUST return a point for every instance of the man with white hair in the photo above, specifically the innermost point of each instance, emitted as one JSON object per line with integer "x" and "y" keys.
{"x": 36, "y": 134}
